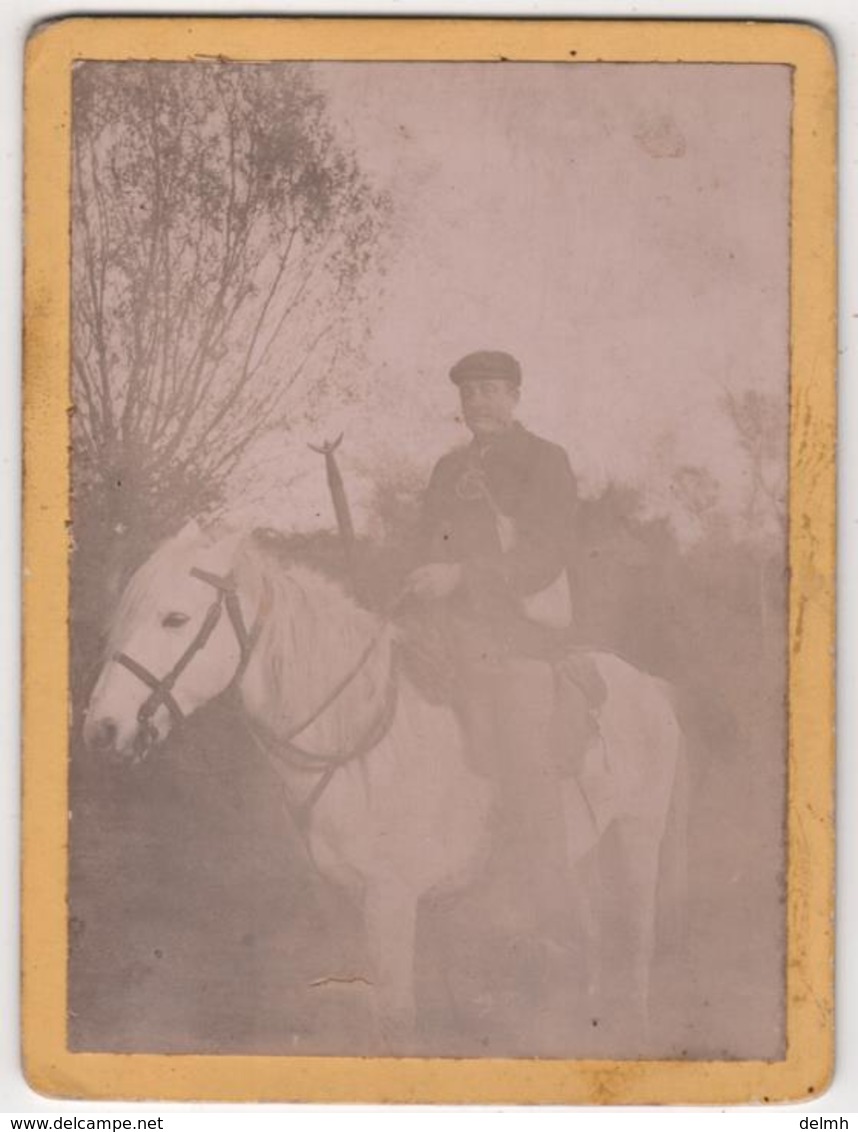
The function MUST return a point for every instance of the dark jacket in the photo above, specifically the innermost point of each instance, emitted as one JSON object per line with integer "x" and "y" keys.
{"x": 518, "y": 480}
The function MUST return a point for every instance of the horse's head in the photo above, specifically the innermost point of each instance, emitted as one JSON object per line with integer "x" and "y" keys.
{"x": 179, "y": 638}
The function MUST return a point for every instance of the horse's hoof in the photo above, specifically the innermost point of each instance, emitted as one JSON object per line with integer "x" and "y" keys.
{"x": 398, "y": 1033}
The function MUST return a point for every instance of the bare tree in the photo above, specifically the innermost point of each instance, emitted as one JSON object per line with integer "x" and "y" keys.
{"x": 697, "y": 492}
{"x": 221, "y": 237}
{"x": 761, "y": 432}
{"x": 757, "y": 421}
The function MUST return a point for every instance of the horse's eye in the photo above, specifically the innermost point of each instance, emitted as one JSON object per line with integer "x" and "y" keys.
{"x": 174, "y": 620}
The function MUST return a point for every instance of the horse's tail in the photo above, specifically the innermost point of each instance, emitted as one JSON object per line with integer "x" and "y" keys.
{"x": 673, "y": 858}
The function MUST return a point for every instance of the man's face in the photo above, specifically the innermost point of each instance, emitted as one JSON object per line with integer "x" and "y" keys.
{"x": 488, "y": 406}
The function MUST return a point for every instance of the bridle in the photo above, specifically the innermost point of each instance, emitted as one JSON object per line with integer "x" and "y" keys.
{"x": 283, "y": 747}
{"x": 284, "y": 750}
{"x": 162, "y": 688}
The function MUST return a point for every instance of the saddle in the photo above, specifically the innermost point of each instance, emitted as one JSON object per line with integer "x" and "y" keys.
{"x": 429, "y": 661}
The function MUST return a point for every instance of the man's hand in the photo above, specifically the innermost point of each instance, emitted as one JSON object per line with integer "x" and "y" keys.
{"x": 436, "y": 580}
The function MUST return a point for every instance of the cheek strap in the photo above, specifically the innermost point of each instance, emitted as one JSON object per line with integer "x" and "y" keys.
{"x": 162, "y": 689}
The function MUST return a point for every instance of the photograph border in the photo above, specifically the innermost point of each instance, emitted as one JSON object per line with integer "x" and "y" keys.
{"x": 49, "y": 1065}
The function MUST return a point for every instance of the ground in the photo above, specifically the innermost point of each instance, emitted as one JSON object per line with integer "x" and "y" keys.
{"x": 198, "y": 925}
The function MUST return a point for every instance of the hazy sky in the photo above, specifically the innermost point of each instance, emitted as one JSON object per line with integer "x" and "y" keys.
{"x": 622, "y": 229}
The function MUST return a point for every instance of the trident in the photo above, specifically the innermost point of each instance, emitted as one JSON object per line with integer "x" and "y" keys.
{"x": 340, "y": 501}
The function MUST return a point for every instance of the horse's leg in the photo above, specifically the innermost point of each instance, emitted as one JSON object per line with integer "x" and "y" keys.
{"x": 390, "y": 919}
{"x": 640, "y": 845}
{"x": 586, "y": 889}
{"x": 583, "y": 851}
{"x": 674, "y": 858}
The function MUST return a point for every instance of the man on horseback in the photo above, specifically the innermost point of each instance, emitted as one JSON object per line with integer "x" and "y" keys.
{"x": 496, "y": 539}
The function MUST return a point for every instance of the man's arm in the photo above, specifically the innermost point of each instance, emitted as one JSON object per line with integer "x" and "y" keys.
{"x": 437, "y": 572}
{"x": 543, "y": 532}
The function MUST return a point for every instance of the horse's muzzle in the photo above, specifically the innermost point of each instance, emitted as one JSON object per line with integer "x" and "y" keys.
{"x": 103, "y": 738}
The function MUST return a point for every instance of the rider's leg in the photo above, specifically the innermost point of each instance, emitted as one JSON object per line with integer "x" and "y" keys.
{"x": 530, "y": 790}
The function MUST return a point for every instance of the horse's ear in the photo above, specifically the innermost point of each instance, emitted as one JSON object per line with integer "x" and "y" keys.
{"x": 190, "y": 532}
{"x": 223, "y": 547}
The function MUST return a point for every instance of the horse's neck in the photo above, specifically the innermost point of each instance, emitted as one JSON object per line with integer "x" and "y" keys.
{"x": 313, "y": 637}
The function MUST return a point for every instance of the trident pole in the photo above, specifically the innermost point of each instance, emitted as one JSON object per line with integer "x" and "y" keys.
{"x": 341, "y": 503}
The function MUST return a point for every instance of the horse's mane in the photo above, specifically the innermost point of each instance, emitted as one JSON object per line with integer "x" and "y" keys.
{"x": 322, "y": 551}
{"x": 313, "y": 633}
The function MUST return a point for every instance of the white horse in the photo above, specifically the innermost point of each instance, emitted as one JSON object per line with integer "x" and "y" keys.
{"x": 376, "y": 774}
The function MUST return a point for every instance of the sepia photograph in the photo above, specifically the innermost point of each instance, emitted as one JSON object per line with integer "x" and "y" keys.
{"x": 429, "y": 558}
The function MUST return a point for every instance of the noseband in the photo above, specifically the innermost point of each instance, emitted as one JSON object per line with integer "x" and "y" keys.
{"x": 162, "y": 689}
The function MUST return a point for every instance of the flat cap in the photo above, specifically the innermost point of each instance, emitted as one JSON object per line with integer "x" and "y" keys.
{"x": 486, "y": 365}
